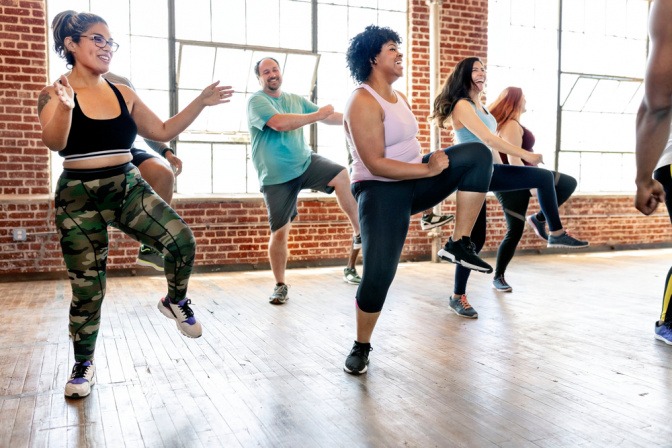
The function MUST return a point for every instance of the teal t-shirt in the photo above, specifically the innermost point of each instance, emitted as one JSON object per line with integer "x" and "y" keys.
{"x": 278, "y": 157}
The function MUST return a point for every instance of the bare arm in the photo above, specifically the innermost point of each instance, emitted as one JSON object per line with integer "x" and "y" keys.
{"x": 290, "y": 122}
{"x": 54, "y": 110}
{"x": 513, "y": 133}
{"x": 465, "y": 114}
{"x": 150, "y": 126}
{"x": 364, "y": 122}
{"x": 655, "y": 112}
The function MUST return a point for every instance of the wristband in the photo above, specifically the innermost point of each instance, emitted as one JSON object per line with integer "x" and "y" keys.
{"x": 166, "y": 149}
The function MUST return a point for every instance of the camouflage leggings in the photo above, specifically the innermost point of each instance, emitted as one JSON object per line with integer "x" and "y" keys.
{"x": 87, "y": 202}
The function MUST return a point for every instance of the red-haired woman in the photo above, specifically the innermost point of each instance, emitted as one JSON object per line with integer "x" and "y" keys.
{"x": 507, "y": 109}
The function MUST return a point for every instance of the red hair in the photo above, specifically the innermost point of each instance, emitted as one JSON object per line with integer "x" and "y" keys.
{"x": 507, "y": 105}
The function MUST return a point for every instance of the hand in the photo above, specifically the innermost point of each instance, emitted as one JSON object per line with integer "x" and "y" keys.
{"x": 325, "y": 111}
{"x": 65, "y": 93}
{"x": 649, "y": 194}
{"x": 438, "y": 162}
{"x": 175, "y": 162}
{"x": 533, "y": 159}
{"x": 215, "y": 94}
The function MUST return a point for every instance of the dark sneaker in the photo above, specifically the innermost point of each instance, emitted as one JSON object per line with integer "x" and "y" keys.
{"x": 463, "y": 252}
{"x": 350, "y": 276}
{"x": 83, "y": 376}
{"x": 357, "y": 241}
{"x": 664, "y": 332}
{"x": 462, "y": 307}
{"x": 150, "y": 257}
{"x": 500, "y": 284}
{"x": 279, "y": 295}
{"x": 183, "y": 316}
{"x": 358, "y": 360}
{"x": 566, "y": 240}
{"x": 430, "y": 220}
{"x": 539, "y": 227}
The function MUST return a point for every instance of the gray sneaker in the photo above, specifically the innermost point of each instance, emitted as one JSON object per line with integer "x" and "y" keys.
{"x": 150, "y": 257}
{"x": 279, "y": 295}
{"x": 567, "y": 241}
{"x": 462, "y": 307}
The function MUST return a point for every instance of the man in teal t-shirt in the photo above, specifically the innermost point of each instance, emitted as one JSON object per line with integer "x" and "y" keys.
{"x": 286, "y": 165}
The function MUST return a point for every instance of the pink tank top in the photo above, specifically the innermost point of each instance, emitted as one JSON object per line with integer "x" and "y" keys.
{"x": 401, "y": 142}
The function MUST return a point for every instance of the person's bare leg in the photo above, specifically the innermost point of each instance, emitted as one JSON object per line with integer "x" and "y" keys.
{"x": 345, "y": 199}
{"x": 352, "y": 261}
{"x": 277, "y": 252}
{"x": 159, "y": 176}
{"x": 468, "y": 206}
{"x": 366, "y": 322}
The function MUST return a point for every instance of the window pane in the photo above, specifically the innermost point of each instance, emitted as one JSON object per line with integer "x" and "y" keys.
{"x": 233, "y": 67}
{"x": 263, "y": 29}
{"x": 295, "y": 33}
{"x": 195, "y": 67}
{"x": 157, "y": 10}
{"x": 230, "y": 169}
{"x": 192, "y": 19}
{"x": 146, "y": 57}
{"x": 331, "y": 32}
{"x": 299, "y": 74}
{"x": 228, "y": 19}
{"x": 196, "y": 177}
{"x": 358, "y": 19}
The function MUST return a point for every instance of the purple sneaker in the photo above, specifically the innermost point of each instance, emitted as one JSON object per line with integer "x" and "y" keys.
{"x": 83, "y": 376}
{"x": 183, "y": 316}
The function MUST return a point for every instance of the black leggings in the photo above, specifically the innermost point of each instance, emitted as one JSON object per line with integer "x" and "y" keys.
{"x": 514, "y": 204}
{"x": 664, "y": 176}
{"x": 385, "y": 209}
{"x": 510, "y": 178}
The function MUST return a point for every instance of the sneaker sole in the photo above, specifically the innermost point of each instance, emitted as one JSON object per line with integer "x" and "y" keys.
{"x": 277, "y": 301}
{"x": 660, "y": 338}
{"x": 169, "y": 314}
{"x": 75, "y": 395}
{"x": 424, "y": 226}
{"x": 509, "y": 289}
{"x": 351, "y": 282}
{"x": 564, "y": 246}
{"x": 447, "y": 256}
{"x": 149, "y": 264}
{"x": 353, "y": 372}
{"x": 475, "y": 316}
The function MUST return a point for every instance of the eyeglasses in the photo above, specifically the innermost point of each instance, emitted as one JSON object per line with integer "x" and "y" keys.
{"x": 100, "y": 42}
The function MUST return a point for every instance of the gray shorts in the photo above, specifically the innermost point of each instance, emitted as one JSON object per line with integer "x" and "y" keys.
{"x": 281, "y": 199}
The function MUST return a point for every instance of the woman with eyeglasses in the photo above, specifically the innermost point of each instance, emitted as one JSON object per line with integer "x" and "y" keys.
{"x": 92, "y": 124}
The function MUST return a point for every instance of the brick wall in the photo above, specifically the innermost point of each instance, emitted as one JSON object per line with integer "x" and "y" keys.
{"x": 233, "y": 233}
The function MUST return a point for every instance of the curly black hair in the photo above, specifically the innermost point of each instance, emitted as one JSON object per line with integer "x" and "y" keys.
{"x": 71, "y": 24}
{"x": 364, "y": 47}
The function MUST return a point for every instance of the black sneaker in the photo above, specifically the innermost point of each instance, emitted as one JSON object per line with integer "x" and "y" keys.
{"x": 357, "y": 241}
{"x": 463, "y": 252}
{"x": 500, "y": 284}
{"x": 430, "y": 220}
{"x": 358, "y": 360}
{"x": 150, "y": 257}
{"x": 539, "y": 227}
{"x": 462, "y": 307}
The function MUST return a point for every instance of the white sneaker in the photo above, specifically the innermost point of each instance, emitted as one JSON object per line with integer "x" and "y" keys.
{"x": 83, "y": 376}
{"x": 183, "y": 316}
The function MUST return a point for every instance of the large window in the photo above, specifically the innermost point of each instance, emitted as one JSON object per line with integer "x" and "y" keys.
{"x": 217, "y": 39}
{"x": 581, "y": 100}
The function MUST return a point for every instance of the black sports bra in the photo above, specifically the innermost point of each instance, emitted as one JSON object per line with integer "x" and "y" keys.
{"x": 91, "y": 138}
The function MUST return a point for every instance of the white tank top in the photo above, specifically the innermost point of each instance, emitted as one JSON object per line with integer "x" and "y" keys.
{"x": 401, "y": 142}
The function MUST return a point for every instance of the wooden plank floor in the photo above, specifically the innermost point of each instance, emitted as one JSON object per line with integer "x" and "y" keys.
{"x": 567, "y": 360}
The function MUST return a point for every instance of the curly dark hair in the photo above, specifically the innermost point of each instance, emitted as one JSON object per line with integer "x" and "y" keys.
{"x": 71, "y": 24}
{"x": 364, "y": 47}
{"x": 456, "y": 88}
